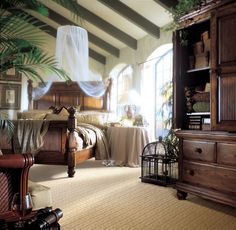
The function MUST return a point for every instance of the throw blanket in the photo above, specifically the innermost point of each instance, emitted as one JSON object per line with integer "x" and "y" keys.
{"x": 101, "y": 146}
{"x": 28, "y": 135}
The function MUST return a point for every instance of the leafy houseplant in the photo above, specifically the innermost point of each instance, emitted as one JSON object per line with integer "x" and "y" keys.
{"x": 170, "y": 139}
{"x": 184, "y": 7}
{"x": 21, "y": 41}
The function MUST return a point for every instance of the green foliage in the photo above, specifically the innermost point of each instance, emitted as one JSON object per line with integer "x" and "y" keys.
{"x": 172, "y": 143}
{"x": 170, "y": 140}
{"x": 21, "y": 42}
{"x": 6, "y": 126}
{"x": 184, "y": 7}
{"x": 167, "y": 96}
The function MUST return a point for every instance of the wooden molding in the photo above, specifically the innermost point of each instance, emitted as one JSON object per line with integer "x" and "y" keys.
{"x": 107, "y": 27}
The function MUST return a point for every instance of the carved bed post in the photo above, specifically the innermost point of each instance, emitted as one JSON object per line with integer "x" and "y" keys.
{"x": 107, "y": 96}
{"x": 30, "y": 97}
{"x": 72, "y": 144}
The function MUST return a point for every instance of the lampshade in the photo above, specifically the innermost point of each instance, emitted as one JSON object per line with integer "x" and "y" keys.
{"x": 130, "y": 98}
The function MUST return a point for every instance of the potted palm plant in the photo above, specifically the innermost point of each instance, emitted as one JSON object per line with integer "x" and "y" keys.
{"x": 21, "y": 41}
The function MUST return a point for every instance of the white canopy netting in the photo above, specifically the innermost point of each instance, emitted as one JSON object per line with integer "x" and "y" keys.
{"x": 72, "y": 56}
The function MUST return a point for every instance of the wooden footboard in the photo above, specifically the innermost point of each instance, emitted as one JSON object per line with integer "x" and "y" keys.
{"x": 59, "y": 143}
{"x": 71, "y": 159}
{"x": 60, "y": 147}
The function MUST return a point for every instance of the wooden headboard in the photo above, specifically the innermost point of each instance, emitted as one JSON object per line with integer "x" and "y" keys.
{"x": 64, "y": 94}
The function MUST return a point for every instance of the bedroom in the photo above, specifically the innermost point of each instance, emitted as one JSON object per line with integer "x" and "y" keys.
{"x": 137, "y": 62}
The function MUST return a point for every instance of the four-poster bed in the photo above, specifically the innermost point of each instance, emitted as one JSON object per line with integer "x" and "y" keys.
{"x": 60, "y": 140}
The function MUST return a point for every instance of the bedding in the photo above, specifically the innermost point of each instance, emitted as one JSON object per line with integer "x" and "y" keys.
{"x": 57, "y": 143}
{"x": 34, "y": 114}
{"x": 63, "y": 142}
{"x": 98, "y": 120}
{"x": 89, "y": 130}
{"x": 101, "y": 144}
{"x": 28, "y": 135}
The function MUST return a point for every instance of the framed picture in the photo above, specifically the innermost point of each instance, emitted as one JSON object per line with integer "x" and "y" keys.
{"x": 10, "y": 96}
{"x": 11, "y": 75}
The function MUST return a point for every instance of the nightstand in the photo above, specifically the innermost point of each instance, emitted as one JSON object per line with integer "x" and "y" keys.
{"x": 126, "y": 144}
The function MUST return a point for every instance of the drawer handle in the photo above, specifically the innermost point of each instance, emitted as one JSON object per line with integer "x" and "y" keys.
{"x": 190, "y": 172}
{"x": 198, "y": 150}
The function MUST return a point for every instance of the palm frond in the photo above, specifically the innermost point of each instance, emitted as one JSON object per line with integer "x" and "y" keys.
{"x": 71, "y": 5}
{"x": 6, "y": 126}
{"x": 33, "y": 62}
{"x": 24, "y": 4}
{"x": 20, "y": 30}
{"x": 20, "y": 40}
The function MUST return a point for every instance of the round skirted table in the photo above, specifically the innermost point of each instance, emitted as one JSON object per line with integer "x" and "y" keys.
{"x": 126, "y": 144}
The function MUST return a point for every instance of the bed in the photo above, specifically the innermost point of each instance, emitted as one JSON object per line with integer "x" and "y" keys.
{"x": 60, "y": 145}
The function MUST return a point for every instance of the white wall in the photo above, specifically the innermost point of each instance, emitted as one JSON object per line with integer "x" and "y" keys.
{"x": 135, "y": 57}
{"x": 49, "y": 48}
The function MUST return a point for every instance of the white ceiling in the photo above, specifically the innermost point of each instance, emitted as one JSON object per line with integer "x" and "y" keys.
{"x": 149, "y": 9}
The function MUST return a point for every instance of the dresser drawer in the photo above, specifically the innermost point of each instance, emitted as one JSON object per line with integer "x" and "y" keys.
{"x": 209, "y": 176}
{"x": 226, "y": 154}
{"x": 199, "y": 150}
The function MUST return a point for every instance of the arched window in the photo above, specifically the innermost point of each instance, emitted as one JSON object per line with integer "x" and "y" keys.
{"x": 122, "y": 84}
{"x": 163, "y": 97}
{"x": 156, "y": 90}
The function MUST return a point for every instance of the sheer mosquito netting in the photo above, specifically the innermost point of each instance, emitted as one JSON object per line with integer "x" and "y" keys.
{"x": 72, "y": 56}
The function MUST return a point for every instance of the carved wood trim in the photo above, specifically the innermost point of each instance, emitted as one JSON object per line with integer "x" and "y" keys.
{"x": 19, "y": 165}
{"x": 63, "y": 94}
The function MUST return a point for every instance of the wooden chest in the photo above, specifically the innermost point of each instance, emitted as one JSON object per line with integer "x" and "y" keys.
{"x": 207, "y": 165}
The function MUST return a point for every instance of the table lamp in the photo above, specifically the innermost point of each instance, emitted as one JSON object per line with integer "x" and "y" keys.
{"x": 130, "y": 100}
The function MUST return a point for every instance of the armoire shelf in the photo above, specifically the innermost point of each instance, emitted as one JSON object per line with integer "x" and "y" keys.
{"x": 199, "y": 69}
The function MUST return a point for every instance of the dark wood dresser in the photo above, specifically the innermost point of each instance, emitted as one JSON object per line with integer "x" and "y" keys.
{"x": 208, "y": 166}
{"x": 205, "y": 62}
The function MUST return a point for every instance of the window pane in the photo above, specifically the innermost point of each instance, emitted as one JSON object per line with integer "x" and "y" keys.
{"x": 163, "y": 107}
{"x": 124, "y": 81}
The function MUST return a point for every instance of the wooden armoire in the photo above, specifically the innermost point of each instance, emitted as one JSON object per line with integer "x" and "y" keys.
{"x": 205, "y": 102}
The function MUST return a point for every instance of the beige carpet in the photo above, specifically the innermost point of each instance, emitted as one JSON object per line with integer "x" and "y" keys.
{"x": 114, "y": 198}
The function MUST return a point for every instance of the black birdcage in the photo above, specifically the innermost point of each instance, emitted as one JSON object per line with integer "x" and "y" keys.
{"x": 159, "y": 165}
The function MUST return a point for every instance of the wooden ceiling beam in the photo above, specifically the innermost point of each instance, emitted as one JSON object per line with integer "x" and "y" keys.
{"x": 92, "y": 38}
{"x": 167, "y": 4}
{"x": 132, "y": 16}
{"x": 96, "y": 56}
{"x": 107, "y": 27}
{"x": 53, "y": 32}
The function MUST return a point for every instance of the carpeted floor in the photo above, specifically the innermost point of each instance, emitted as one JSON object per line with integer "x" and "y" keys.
{"x": 114, "y": 198}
